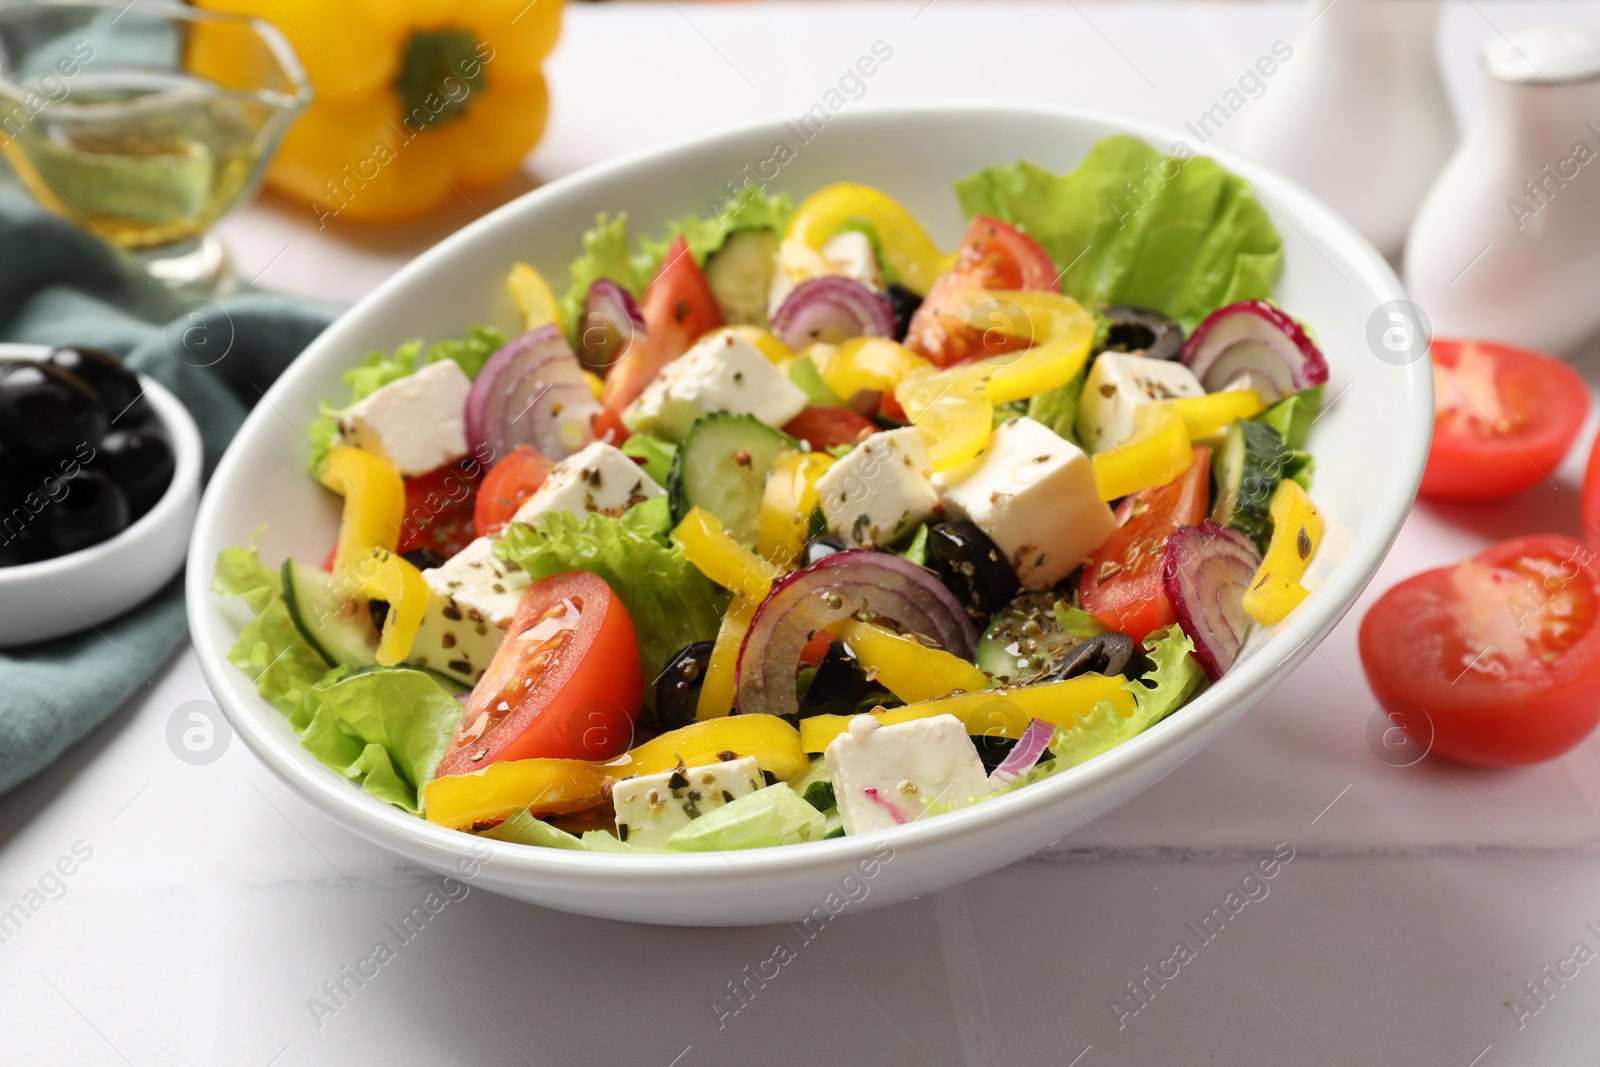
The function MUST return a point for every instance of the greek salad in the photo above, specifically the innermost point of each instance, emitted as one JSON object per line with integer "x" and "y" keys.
{"x": 788, "y": 524}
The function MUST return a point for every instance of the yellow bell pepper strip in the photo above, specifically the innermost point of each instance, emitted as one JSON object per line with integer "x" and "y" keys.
{"x": 596, "y": 384}
{"x": 907, "y": 668}
{"x": 876, "y": 364}
{"x": 533, "y": 296}
{"x": 1158, "y": 452}
{"x": 951, "y": 410}
{"x": 1062, "y": 333}
{"x": 911, "y": 254}
{"x": 787, "y": 501}
{"x": 995, "y": 712}
{"x": 777, "y": 353}
{"x": 1205, "y": 415}
{"x": 395, "y": 580}
{"x": 416, "y": 100}
{"x": 374, "y": 506}
{"x": 500, "y": 790}
{"x": 1296, "y": 534}
{"x": 720, "y": 684}
{"x": 706, "y": 544}
{"x": 774, "y": 743}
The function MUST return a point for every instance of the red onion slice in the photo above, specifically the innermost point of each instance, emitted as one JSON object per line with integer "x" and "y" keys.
{"x": 1253, "y": 343}
{"x": 531, "y": 392}
{"x": 1024, "y": 754}
{"x": 1206, "y": 572}
{"x": 831, "y": 309}
{"x": 836, "y": 587}
{"x": 610, "y": 321}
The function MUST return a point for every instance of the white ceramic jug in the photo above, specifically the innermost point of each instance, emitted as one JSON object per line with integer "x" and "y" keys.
{"x": 1358, "y": 114}
{"x": 1507, "y": 245}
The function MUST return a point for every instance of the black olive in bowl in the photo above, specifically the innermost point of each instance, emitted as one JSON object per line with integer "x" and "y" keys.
{"x": 1110, "y": 653}
{"x": 84, "y": 508}
{"x": 1143, "y": 333}
{"x": 47, "y": 413}
{"x": 140, "y": 463}
{"x": 972, "y": 567}
{"x": 905, "y": 304}
{"x": 118, "y": 389}
{"x": 678, "y": 687}
{"x": 820, "y": 548}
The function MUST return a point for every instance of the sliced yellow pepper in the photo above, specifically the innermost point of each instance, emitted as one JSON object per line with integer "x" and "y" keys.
{"x": 533, "y": 296}
{"x": 1157, "y": 453}
{"x": 1296, "y": 533}
{"x": 869, "y": 363}
{"x": 720, "y": 684}
{"x": 778, "y": 353}
{"x": 706, "y": 544}
{"x": 774, "y": 743}
{"x": 993, "y": 713}
{"x": 500, "y": 790}
{"x": 787, "y": 501}
{"x": 912, "y": 255}
{"x": 907, "y": 668}
{"x": 951, "y": 410}
{"x": 596, "y": 384}
{"x": 374, "y": 506}
{"x": 1062, "y": 333}
{"x": 395, "y": 580}
{"x": 1205, "y": 415}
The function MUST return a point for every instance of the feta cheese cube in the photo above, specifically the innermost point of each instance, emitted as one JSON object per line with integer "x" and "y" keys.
{"x": 417, "y": 423}
{"x": 1117, "y": 384}
{"x": 599, "y": 479}
{"x": 471, "y": 600}
{"x": 886, "y": 776}
{"x": 652, "y": 807}
{"x": 1034, "y": 494}
{"x": 722, "y": 373}
{"x": 880, "y": 490}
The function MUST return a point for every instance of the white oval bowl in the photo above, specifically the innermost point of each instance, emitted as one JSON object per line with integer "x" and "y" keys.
{"x": 81, "y": 590}
{"x": 1370, "y": 445}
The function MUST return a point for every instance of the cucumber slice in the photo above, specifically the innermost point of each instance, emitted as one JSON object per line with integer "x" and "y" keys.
{"x": 1024, "y": 638}
{"x": 341, "y": 630}
{"x": 1248, "y": 467}
{"x": 722, "y": 466}
{"x": 740, "y": 276}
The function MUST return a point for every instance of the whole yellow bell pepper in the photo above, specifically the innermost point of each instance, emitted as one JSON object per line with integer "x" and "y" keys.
{"x": 412, "y": 97}
{"x": 910, "y": 253}
{"x": 1296, "y": 533}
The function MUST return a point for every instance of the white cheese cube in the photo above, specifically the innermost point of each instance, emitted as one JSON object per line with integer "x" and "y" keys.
{"x": 721, "y": 373}
{"x": 1034, "y": 494}
{"x": 1117, "y": 384}
{"x": 880, "y": 490}
{"x": 886, "y": 776}
{"x": 652, "y": 807}
{"x": 471, "y": 600}
{"x": 599, "y": 479}
{"x": 417, "y": 423}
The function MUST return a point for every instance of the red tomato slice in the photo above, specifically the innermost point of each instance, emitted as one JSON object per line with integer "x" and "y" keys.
{"x": 1497, "y": 657}
{"x": 607, "y": 426}
{"x": 1504, "y": 419}
{"x": 439, "y": 506}
{"x": 1122, "y": 584}
{"x": 678, "y": 308}
{"x": 992, "y": 255}
{"x": 565, "y": 684}
{"x": 824, "y": 428}
{"x": 508, "y": 483}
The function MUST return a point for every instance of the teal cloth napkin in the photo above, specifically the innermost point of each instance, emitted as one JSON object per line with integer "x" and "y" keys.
{"x": 60, "y": 286}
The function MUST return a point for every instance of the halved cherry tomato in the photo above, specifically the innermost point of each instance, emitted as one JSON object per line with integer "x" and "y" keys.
{"x": 565, "y": 684}
{"x": 993, "y": 255}
{"x": 1495, "y": 660}
{"x": 510, "y": 482}
{"x": 826, "y": 427}
{"x": 608, "y": 427}
{"x": 1504, "y": 419}
{"x": 1122, "y": 584}
{"x": 678, "y": 308}
{"x": 439, "y": 509}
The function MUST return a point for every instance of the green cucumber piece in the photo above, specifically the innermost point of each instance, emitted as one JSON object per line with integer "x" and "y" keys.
{"x": 722, "y": 466}
{"x": 1024, "y": 638}
{"x": 740, "y": 276}
{"x": 1247, "y": 468}
{"x": 340, "y": 629}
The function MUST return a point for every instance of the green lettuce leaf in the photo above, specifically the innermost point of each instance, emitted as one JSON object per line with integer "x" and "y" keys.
{"x": 1058, "y": 409}
{"x": 1077, "y": 622}
{"x": 656, "y": 452}
{"x": 775, "y": 815}
{"x": 605, "y": 255}
{"x": 1132, "y": 226}
{"x": 916, "y": 549}
{"x": 1174, "y": 675}
{"x": 523, "y": 829}
{"x": 1293, "y": 415}
{"x": 749, "y": 209}
{"x": 671, "y": 603}
{"x": 270, "y": 648}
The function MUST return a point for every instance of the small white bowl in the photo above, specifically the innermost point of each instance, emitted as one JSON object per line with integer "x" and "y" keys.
{"x": 83, "y": 589}
{"x": 1371, "y": 443}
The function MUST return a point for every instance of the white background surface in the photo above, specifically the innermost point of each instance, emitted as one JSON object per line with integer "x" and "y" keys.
{"x": 1419, "y": 900}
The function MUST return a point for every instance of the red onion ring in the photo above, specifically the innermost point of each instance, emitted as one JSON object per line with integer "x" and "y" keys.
{"x": 1206, "y": 572}
{"x": 530, "y": 392}
{"x": 608, "y": 324}
{"x": 1024, "y": 754}
{"x": 831, "y": 309}
{"x": 1252, "y": 338}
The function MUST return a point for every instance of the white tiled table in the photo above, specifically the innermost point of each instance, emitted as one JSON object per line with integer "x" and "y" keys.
{"x": 213, "y": 904}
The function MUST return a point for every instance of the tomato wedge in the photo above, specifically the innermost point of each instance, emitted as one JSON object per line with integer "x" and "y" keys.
{"x": 992, "y": 255}
{"x": 1122, "y": 584}
{"x": 439, "y": 509}
{"x": 565, "y": 684}
{"x": 827, "y": 427}
{"x": 508, "y": 483}
{"x": 1504, "y": 419}
{"x": 1498, "y": 657}
{"x": 678, "y": 309}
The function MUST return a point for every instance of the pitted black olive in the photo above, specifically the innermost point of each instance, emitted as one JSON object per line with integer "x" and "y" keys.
{"x": 839, "y": 685}
{"x": 972, "y": 567}
{"x": 120, "y": 394}
{"x": 678, "y": 687}
{"x": 820, "y": 548}
{"x": 1143, "y": 332}
{"x": 141, "y": 463}
{"x": 47, "y": 413}
{"x": 83, "y": 509}
{"x": 424, "y": 559}
{"x": 905, "y": 304}
{"x": 1108, "y": 654}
